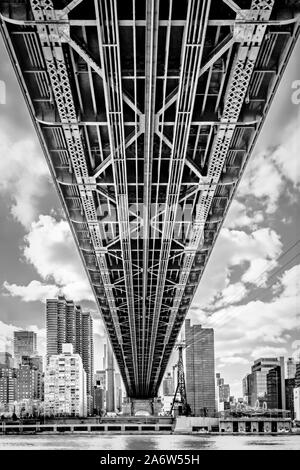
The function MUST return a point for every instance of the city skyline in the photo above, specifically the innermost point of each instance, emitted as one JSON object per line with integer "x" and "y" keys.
{"x": 40, "y": 256}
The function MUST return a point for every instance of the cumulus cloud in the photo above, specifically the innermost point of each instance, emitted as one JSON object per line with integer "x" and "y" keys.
{"x": 268, "y": 351}
{"x": 268, "y": 171}
{"x": 50, "y": 248}
{"x": 7, "y": 334}
{"x": 237, "y": 249}
{"x": 240, "y": 216}
{"x": 24, "y": 177}
{"x": 256, "y": 328}
{"x": 34, "y": 291}
{"x": 232, "y": 360}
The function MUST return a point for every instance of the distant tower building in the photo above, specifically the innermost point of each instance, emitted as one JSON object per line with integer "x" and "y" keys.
{"x": 6, "y": 360}
{"x": 66, "y": 323}
{"x": 61, "y": 325}
{"x": 8, "y": 385}
{"x": 260, "y": 370}
{"x": 88, "y": 355}
{"x": 29, "y": 383}
{"x": 223, "y": 392}
{"x": 24, "y": 345}
{"x": 289, "y": 395}
{"x": 290, "y": 368}
{"x": 297, "y": 403}
{"x": 274, "y": 389}
{"x": 118, "y": 390}
{"x": 200, "y": 369}
{"x": 168, "y": 385}
{"x": 65, "y": 384}
{"x": 104, "y": 356}
{"x": 34, "y": 362}
{"x": 78, "y": 327}
{"x": 100, "y": 378}
{"x": 297, "y": 393}
{"x": 99, "y": 395}
{"x": 110, "y": 382}
{"x": 297, "y": 375}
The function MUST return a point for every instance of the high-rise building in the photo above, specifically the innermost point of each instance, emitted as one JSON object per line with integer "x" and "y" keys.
{"x": 110, "y": 379}
{"x": 87, "y": 355}
{"x": 60, "y": 325}
{"x": 24, "y": 345}
{"x": 6, "y": 360}
{"x": 33, "y": 361}
{"x": 258, "y": 379}
{"x": 297, "y": 403}
{"x": 100, "y": 378}
{"x": 297, "y": 375}
{"x": 290, "y": 368}
{"x": 200, "y": 369}
{"x": 78, "y": 326}
{"x": 99, "y": 397}
{"x": 66, "y": 323}
{"x": 118, "y": 391}
{"x": 8, "y": 385}
{"x": 289, "y": 395}
{"x": 168, "y": 385}
{"x": 223, "y": 389}
{"x": 29, "y": 383}
{"x": 65, "y": 384}
{"x": 274, "y": 389}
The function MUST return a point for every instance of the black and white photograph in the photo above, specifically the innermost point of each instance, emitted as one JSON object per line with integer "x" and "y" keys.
{"x": 149, "y": 230}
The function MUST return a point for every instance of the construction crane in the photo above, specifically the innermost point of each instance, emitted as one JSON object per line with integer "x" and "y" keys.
{"x": 179, "y": 398}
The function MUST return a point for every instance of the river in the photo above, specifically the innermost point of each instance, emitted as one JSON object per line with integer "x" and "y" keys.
{"x": 149, "y": 442}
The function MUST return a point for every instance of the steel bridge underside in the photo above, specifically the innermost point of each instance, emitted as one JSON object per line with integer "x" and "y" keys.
{"x": 147, "y": 112}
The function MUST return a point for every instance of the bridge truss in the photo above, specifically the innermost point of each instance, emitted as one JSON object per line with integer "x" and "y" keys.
{"x": 147, "y": 112}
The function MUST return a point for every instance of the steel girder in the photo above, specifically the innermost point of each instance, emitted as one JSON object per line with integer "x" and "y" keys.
{"x": 147, "y": 112}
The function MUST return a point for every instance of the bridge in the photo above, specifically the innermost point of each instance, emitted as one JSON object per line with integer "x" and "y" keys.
{"x": 147, "y": 112}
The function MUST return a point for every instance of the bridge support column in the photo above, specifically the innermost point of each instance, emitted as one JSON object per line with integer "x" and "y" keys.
{"x": 142, "y": 407}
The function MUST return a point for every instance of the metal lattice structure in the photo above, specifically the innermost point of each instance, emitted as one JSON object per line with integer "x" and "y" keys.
{"x": 147, "y": 112}
{"x": 180, "y": 401}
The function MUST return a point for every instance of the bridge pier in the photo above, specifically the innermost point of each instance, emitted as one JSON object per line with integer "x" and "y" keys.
{"x": 142, "y": 407}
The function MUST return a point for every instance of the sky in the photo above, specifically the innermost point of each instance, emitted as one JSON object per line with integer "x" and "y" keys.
{"x": 250, "y": 290}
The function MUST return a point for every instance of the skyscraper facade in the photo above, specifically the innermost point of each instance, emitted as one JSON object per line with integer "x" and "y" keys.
{"x": 24, "y": 345}
{"x": 258, "y": 389}
{"x": 290, "y": 368}
{"x": 223, "y": 392}
{"x": 168, "y": 385}
{"x": 65, "y": 384}
{"x": 66, "y": 323}
{"x": 29, "y": 383}
{"x": 200, "y": 369}
{"x": 274, "y": 389}
{"x": 87, "y": 354}
{"x": 289, "y": 395}
{"x": 8, "y": 385}
{"x": 6, "y": 360}
{"x": 110, "y": 379}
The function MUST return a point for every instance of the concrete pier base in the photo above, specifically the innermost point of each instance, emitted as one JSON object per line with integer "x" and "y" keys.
{"x": 142, "y": 407}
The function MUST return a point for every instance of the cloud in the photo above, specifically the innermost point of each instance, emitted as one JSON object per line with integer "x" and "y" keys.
{"x": 236, "y": 249}
{"x": 256, "y": 328}
{"x": 24, "y": 177}
{"x": 240, "y": 216}
{"x": 232, "y": 294}
{"x": 7, "y": 334}
{"x": 269, "y": 171}
{"x": 268, "y": 351}
{"x": 50, "y": 248}
{"x": 34, "y": 291}
{"x": 232, "y": 360}
{"x": 286, "y": 156}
